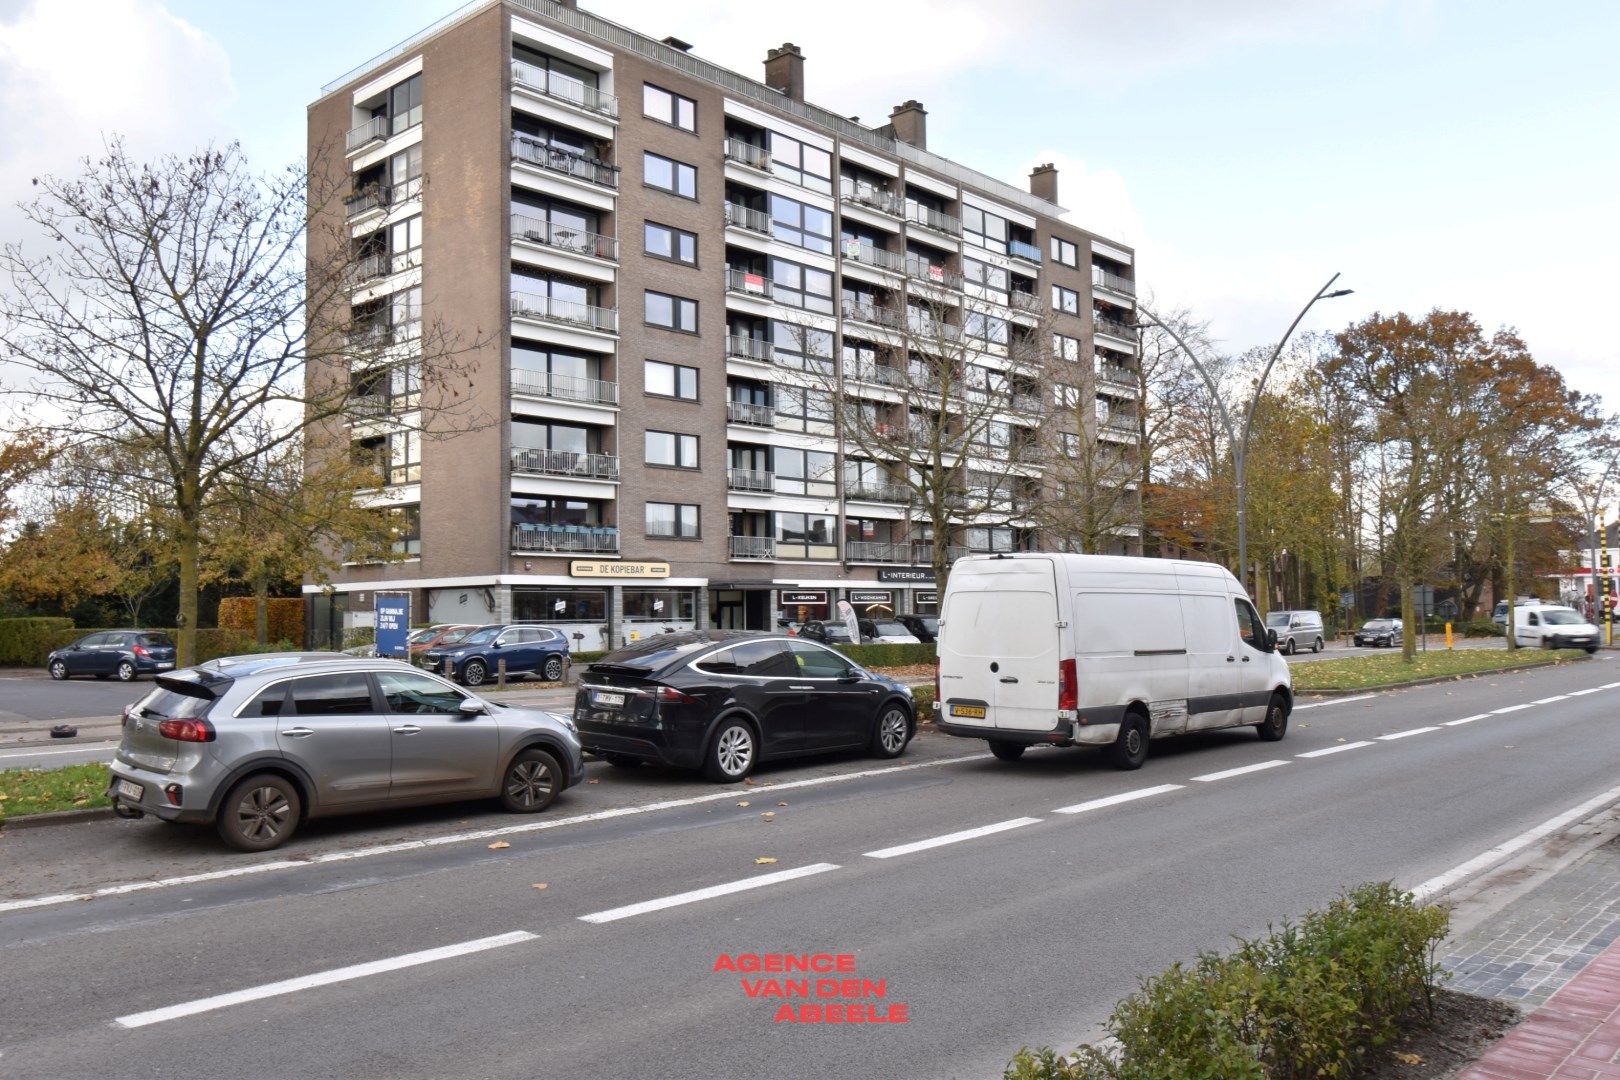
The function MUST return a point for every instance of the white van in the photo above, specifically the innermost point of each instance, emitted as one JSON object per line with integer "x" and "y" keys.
{"x": 1553, "y": 626}
{"x": 1102, "y": 650}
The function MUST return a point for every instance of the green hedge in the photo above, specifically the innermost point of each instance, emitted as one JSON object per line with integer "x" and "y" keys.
{"x": 1316, "y": 998}
{"x": 889, "y": 655}
{"x": 26, "y": 641}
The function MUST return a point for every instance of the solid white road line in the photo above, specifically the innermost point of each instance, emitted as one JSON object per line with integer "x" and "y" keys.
{"x": 321, "y": 978}
{"x": 1403, "y": 734}
{"x": 1334, "y": 749}
{"x": 1115, "y": 800}
{"x": 614, "y": 914}
{"x": 1334, "y": 701}
{"x": 1207, "y": 777}
{"x": 458, "y": 838}
{"x": 951, "y": 838}
{"x": 1609, "y": 685}
{"x": 1549, "y": 700}
{"x": 1512, "y": 708}
{"x": 4, "y": 754}
{"x": 1467, "y": 719}
{"x": 1583, "y": 693}
{"x": 1441, "y": 882}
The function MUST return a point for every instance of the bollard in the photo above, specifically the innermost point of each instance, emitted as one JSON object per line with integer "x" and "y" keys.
{"x": 449, "y": 668}
{"x": 1448, "y": 635}
{"x": 500, "y": 672}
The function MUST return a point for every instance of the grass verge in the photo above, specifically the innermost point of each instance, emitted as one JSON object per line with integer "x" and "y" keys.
{"x": 45, "y": 791}
{"x": 1369, "y": 672}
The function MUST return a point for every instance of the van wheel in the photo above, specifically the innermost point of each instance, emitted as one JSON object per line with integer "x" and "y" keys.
{"x": 1316, "y": 646}
{"x": 1292, "y": 647}
{"x": 1276, "y": 722}
{"x": 1007, "y": 751}
{"x": 1130, "y": 748}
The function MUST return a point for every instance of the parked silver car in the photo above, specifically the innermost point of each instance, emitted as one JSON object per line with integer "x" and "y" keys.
{"x": 255, "y": 745}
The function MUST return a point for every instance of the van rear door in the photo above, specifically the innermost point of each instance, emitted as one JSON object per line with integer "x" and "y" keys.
{"x": 999, "y": 645}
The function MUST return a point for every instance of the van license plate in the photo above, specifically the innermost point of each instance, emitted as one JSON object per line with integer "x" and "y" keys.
{"x": 613, "y": 700}
{"x": 976, "y": 712}
{"x": 130, "y": 790}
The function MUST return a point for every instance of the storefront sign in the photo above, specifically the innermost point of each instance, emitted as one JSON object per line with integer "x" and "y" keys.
{"x": 871, "y": 596}
{"x": 804, "y": 597}
{"x": 615, "y": 569}
{"x": 925, "y": 577}
{"x": 925, "y": 598}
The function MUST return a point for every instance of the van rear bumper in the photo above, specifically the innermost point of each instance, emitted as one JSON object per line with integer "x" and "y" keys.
{"x": 1100, "y": 727}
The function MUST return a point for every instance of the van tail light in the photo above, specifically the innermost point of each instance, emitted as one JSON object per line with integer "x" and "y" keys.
{"x": 668, "y": 695}
{"x": 1068, "y": 685}
{"x": 186, "y": 730}
{"x": 936, "y": 680}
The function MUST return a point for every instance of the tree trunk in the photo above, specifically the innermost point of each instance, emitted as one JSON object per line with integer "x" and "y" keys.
{"x": 187, "y": 548}
{"x": 1408, "y": 641}
{"x": 261, "y": 609}
{"x": 1510, "y": 587}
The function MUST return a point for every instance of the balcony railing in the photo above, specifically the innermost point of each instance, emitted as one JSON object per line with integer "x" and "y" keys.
{"x": 565, "y": 463}
{"x": 377, "y": 335}
{"x": 748, "y": 348}
{"x": 563, "y": 237}
{"x": 750, "y": 480}
{"x": 375, "y": 197}
{"x": 552, "y": 309}
{"x": 554, "y": 158}
{"x": 373, "y": 130}
{"x": 879, "y": 551}
{"x": 747, "y": 412}
{"x": 1028, "y": 453}
{"x": 1023, "y": 301}
{"x": 876, "y": 314}
{"x": 744, "y": 218}
{"x": 862, "y": 252}
{"x": 874, "y": 198}
{"x": 1116, "y": 376}
{"x": 933, "y": 219}
{"x": 882, "y": 491}
{"x": 933, "y": 273}
{"x": 878, "y": 374}
{"x": 563, "y": 88}
{"x": 566, "y": 538}
{"x": 747, "y": 283}
{"x": 1113, "y": 328}
{"x": 1027, "y": 404}
{"x": 746, "y": 153}
{"x": 370, "y": 268}
{"x": 753, "y": 547}
{"x": 1113, "y": 281}
{"x": 1018, "y": 249}
{"x": 922, "y": 554}
{"x": 927, "y": 328}
{"x": 564, "y": 387}
{"x": 1126, "y": 422}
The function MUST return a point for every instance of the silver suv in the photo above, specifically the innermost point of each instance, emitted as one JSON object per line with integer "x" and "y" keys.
{"x": 257, "y": 744}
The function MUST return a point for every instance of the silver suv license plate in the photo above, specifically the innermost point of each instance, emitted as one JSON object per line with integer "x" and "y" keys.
{"x": 130, "y": 790}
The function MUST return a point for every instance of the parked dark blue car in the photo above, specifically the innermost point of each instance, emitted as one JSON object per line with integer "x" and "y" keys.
{"x": 527, "y": 650}
{"x": 121, "y": 654}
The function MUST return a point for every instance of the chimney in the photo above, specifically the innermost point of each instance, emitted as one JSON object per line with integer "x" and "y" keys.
{"x": 677, "y": 43}
{"x": 910, "y": 122}
{"x": 1043, "y": 182}
{"x": 784, "y": 70}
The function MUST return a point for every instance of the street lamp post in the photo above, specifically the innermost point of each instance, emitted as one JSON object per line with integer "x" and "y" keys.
{"x": 1239, "y": 441}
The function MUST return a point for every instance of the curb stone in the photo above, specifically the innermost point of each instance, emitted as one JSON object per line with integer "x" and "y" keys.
{"x": 60, "y": 817}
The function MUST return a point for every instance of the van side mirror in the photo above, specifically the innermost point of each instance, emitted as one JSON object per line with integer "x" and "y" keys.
{"x": 1271, "y": 638}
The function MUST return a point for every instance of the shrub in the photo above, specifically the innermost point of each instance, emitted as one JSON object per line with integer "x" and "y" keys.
{"x": 286, "y": 616}
{"x": 27, "y": 641}
{"x": 1478, "y": 628}
{"x": 888, "y": 655}
{"x": 359, "y": 635}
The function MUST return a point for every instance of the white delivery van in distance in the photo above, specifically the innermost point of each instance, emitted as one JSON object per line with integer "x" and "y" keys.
{"x": 1553, "y": 626}
{"x": 1102, "y": 650}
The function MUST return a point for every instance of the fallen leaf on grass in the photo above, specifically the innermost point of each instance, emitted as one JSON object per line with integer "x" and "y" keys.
{"x": 1408, "y": 1059}
{"x": 765, "y": 860}
{"x": 540, "y": 885}
{"x": 497, "y": 845}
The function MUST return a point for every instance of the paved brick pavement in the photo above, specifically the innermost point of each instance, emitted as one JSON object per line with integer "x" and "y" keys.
{"x": 1575, "y": 1036}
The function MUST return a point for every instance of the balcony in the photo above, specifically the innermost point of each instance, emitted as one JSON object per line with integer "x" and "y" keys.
{"x": 880, "y": 491}
{"x": 927, "y": 329}
{"x": 1018, "y": 249}
{"x": 930, "y": 218}
{"x": 1027, "y": 405}
{"x": 752, "y": 547}
{"x": 564, "y": 89}
{"x": 1124, "y": 423}
{"x": 564, "y": 463}
{"x": 741, "y": 217}
{"x": 739, "y": 347}
{"x": 373, "y": 130}
{"x": 572, "y": 312}
{"x": 746, "y": 153}
{"x": 875, "y": 314}
{"x": 744, "y": 283}
{"x": 862, "y": 252}
{"x": 1113, "y": 328}
{"x": 375, "y": 197}
{"x": 564, "y": 387}
{"x": 750, "y": 480}
{"x": 1107, "y": 280}
{"x": 932, "y": 273}
{"x": 747, "y": 412}
{"x": 873, "y": 198}
{"x": 878, "y": 551}
{"x": 598, "y": 540}
{"x": 369, "y": 268}
{"x": 1023, "y": 301}
{"x": 1028, "y": 453}
{"x": 381, "y": 335}
{"x": 1114, "y": 375}
{"x": 876, "y": 374}
{"x": 922, "y": 554}
{"x": 564, "y": 238}
{"x": 555, "y": 159}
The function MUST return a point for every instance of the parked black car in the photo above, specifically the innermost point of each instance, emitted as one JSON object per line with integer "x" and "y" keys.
{"x": 724, "y": 700}
{"x": 475, "y": 659}
{"x": 121, "y": 654}
{"x": 925, "y": 628}
{"x": 834, "y": 632}
{"x": 1379, "y": 632}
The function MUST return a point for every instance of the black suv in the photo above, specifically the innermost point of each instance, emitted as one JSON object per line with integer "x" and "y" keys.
{"x": 121, "y": 654}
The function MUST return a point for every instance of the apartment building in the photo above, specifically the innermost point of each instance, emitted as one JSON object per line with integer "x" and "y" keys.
{"x": 644, "y": 243}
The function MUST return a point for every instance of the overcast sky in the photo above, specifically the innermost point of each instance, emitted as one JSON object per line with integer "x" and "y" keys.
{"x": 1440, "y": 153}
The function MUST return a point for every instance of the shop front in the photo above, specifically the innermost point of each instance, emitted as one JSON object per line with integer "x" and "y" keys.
{"x": 579, "y": 612}
{"x": 657, "y": 611}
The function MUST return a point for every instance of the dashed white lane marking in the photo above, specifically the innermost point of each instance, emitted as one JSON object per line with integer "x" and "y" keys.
{"x": 7, "y": 754}
{"x": 1550, "y": 700}
{"x": 1467, "y": 719}
{"x": 629, "y": 910}
{"x": 1441, "y": 882}
{"x": 1608, "y": 685}
{"x": 321, "y": 978}
{"x": 1207, "y": 777}
{"x": 1115, "y": 800}
{"x": 457, "y": 838}
{"x": 1334, "y": 701}
{"x": 1334, "y": 749}
{"x": 1511, "y": 708}
{"x": 951, "y": 838}
{"x": 1403, "y": 734}
{"x": 1583, "y": 693}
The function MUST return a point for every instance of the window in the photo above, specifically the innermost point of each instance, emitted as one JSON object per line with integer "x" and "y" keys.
{"x": 675, "y": 177}
{"x": 984, "y": 228}
{"x": 1065, "y": 252}
{"x": 1249, "y": 626}
{"x": 669, "y": 448}
{"x": 668, "y": 108}
{"x": 331, "y": 695}
{"x": 664, "y": 605}
{"x": 405, "y": 174}
{"x": 1065, "y": 347}
{"x": 671, "y": 312}
{"x": 1065, "y": 300}
{"x": 814, "y": 662}
{"x": 405, "y": 105}
{"x": 405, "y": 529}
{"x": 678, "y": 521}
{"x": 671, "y": 380}
{"x": 559, "y": 224}
{"x": 558, "y": 77}
{"x": 760, "y": 659}
{"x": 569, "y": 438}
{"x": 405, "y": 244}
{"x": 803, "y": 226}
{"x": 408, "y": 692}
{"x": 555, "y": 510}
{"x": 811, "y": 529}
{"x": 803, "y": 472}
{"x": 802, "y": 164}
{"x": 799, "y": 408}
{"x": 802, "y": 286}
{"x": 269, "y": 702}
{"x": 990, "y": 277}
{"x": 403, "y": 458}
{"x": 801, "y": 346}
{"x": 985, "y": 327}
{"x": 665, "y": 242}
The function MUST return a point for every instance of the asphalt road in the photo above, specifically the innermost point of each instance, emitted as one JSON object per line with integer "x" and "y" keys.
{"x": 408, "y": 947}
{"x": 33, "y": 695}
